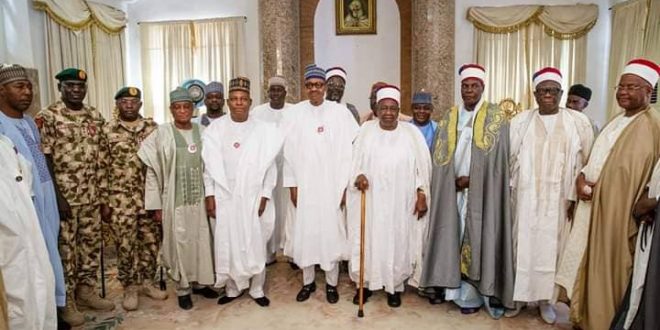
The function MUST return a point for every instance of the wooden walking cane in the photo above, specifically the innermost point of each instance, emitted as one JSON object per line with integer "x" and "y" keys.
{"x": 361, "y": 284}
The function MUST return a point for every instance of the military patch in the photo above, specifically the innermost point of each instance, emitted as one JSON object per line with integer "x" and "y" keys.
{"x": 39, "y": 121}
{"x": 82, "y": 75}
{"x": 91, "y": 130}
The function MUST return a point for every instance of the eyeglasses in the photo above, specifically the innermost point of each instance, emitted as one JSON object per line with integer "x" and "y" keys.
{"x": 317, "y": 85}
{"x": 554, "y": 91}
{"x": 627, "y": 88}
{"x": 388, "y": 108}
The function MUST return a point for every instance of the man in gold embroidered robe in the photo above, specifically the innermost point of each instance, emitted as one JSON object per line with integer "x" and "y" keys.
{"x": 469, "y": 251}
{"x": 597, "y": 263}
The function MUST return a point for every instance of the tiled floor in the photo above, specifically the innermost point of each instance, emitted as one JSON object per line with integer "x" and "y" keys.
{"x": 284, "y": 312}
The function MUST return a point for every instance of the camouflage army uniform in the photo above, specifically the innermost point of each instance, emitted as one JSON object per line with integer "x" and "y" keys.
{"x": 136, "y": 234}
{"x": 76, "y": 142}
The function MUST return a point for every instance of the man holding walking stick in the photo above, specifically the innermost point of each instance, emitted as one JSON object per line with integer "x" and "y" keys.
{"x": 392, "y": 166}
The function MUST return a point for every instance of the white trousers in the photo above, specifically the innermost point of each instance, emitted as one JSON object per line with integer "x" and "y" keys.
{"x": 256, "y": 286}
{"x": 331, "y": 276}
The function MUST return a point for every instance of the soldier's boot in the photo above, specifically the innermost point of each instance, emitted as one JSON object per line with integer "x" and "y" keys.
{"x": 88, "y": 297}
{"x": 70, "y": 313}
{"x": 130, "y": 302}
{"x": 149, "y": 290}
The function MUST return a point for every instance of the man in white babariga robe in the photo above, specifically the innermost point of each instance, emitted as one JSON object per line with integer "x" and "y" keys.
{"x": 273, "y": 112}
{"x": 392, "y": 164}
{"x": 27, "y": 273}
{"x": 317, "y": 160}
{"x": 549, "y": 147}
{"x": 240, "y": 173}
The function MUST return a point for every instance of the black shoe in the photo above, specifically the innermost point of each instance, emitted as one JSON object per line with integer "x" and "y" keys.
{"x": 305, "y": 292}
{"x": 207, "y": 292}
{"x": 467, "y": 311}
{"x": 437, "y": 298}
{"x": 331, "y": 294}
{"x": 185, "y": 302}
{"x": 61, "y": 324}
{"x": 366, "y": 295}
{"x": 262, "y": 301}
{"x": 293, "y": 265}
{"x": 394, "y": 300}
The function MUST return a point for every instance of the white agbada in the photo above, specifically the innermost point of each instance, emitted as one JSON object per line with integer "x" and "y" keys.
{"x": 571, "y": 257}
{"x": 239, "y": 169}
{"x": 317, "y": 160}
{"x": 27, "y": 273}
{"x": 284, "y": 210}
{"x": 396, "y": 164}
{"x": 547, "y": 154}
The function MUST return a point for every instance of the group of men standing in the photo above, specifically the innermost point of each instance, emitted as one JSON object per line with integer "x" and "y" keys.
{"x": 474, "y": 208}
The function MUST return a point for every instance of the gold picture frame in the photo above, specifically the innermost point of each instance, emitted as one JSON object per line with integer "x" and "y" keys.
{"x": 355, "y": 17}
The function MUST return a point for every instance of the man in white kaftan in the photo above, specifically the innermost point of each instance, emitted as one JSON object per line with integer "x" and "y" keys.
{"x": 392, "y": 165}
{"x": 174, "y": 191}
{"x": 240, "y": 174}
{"x": 27, "y": 273}
{"x": 272, "y": 112}
{"x": 549, "y": 146}
{"x": 317, "y": 160}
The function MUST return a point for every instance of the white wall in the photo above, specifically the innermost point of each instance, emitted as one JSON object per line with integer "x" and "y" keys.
{"x": 598, "y": 41}
{"x": 166, "y": 10}
{"x": 366, "y": 58}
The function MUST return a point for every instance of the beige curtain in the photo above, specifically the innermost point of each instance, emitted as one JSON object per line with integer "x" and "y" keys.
{"x": 628, "y": 24}
{"x": 514, "y": 42}
{"x": 88, "y": 36}
{"x": 173, "y": 52}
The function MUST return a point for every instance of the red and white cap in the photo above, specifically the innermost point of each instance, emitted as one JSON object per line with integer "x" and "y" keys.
{"x": 335, "y": 71}
{"x": 472, "y": 71}
{"x": 389, "y": 92}
{"x": 644, "y": 69}
{"x": 545, "y": 74}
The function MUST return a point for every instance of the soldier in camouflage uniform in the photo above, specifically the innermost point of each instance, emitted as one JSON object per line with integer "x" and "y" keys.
{"x": 74, "y": 144}
{"x": 136, "y": 234}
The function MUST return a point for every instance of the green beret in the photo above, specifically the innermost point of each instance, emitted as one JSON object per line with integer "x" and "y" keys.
{"x": 128, "y": 92}
{"x": 180, "y": 94}
{"x": 71, "y": 74}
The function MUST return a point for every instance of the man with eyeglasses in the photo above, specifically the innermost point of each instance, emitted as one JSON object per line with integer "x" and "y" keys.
{"x": 596, "y": 266}
{"x": 174, "y": 192}
{"x": 317, "y": 160}
{"x": 392, "y": 165}
{"x": 422, "y": 108}
{"x": 75, "y": 146}
{"x": 549, "y": 146}
{"x": 468, "y": 257}
{"x": 135, "y": 233}
{"x": 273, "y": 112}
{"x": 335, "y": 80}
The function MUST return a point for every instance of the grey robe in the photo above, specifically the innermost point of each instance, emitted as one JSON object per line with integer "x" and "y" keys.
{"x": 486, "y": 253}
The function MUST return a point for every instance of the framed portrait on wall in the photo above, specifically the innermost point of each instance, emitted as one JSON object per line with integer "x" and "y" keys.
{"x": 355, "y": 17}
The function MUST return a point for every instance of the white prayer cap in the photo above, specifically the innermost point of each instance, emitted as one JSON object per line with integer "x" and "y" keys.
{"x": 389, "y": 92}
{"x": 546, "y": 74}
{"x": 472, "y": 71}
{"x": 335, "y": 71}
{"x": 277, "y": 81}
{"x": 644, "y": 69}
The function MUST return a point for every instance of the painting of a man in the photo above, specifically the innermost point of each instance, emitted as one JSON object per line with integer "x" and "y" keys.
{"x": 355, "y": 16}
